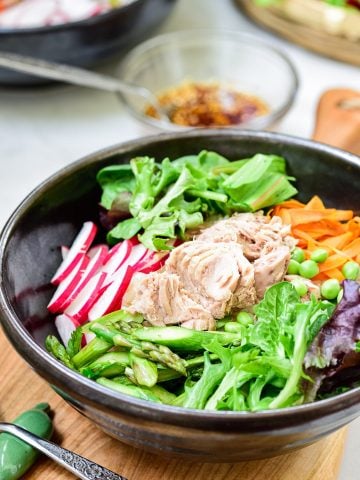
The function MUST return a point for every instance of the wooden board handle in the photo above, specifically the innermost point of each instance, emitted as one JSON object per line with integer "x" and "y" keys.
{"x": 338, "y": 119}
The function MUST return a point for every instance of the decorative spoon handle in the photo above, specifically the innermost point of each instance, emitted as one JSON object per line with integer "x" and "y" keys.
{"x": 76, "y": 464}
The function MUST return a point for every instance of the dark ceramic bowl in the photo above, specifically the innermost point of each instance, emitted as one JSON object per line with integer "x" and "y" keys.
{"x": 85, "y": 43}
{"x": 52, "y": 214}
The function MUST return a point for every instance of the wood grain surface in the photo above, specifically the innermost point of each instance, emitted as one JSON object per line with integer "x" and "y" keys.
{"x": 21, "y": 389}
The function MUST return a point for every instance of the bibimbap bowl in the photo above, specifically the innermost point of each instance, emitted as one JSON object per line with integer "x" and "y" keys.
{"x": 51, "y": 216}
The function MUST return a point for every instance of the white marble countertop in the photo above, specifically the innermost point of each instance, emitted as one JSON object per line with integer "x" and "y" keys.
{"x": 42, "y": 130}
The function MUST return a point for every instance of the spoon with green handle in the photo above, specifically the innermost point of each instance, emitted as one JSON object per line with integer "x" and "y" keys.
{"x": 34, "y": 427}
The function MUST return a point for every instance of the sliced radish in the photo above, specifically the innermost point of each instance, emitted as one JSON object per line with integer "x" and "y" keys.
{"x": 67, "y": 286}
{"x": 80, "y": 307}
{"x": 93, "y": 250}
{"x": 111, "y": 298}
{"x": 137, "y": 253}
{"x": 80, "y": 246}
{"x": 64, "y": 251}
{"x": 116, "y": 257}
{"x": 134, "y": 241}
{"x": 65, "y": 326}
{"x": 152, "y": 264}
{"x": 93, "y": 266}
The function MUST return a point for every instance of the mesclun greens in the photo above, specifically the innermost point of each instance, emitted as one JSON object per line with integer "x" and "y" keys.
{"x": 259, "y": 365}
{"x": 333, "y": 360}
{"x": 161, "y": 201}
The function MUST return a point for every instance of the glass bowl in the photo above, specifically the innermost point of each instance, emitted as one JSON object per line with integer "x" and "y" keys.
{"x": 200, "y": 56}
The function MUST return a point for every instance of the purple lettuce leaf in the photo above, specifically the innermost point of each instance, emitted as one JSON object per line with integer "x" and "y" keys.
{"x": 332, "y": 359}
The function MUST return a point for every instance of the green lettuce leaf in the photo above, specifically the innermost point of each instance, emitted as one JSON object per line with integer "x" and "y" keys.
{"x": 166, "y": 199}
{"x": 115, "y": 180}
{"x": 258, "y": 183}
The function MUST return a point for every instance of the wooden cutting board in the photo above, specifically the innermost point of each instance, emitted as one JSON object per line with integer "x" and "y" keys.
{"x": 21, "y": 389}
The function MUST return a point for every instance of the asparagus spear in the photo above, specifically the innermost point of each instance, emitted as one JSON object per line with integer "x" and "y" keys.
{"x": 120, "y": 316}
{"x": 157, "y": 353}
{"x": 92, "y": 351}
{"x": 53, "y": 346}
{"x": 110, "y": 364}
{"x": 164, "y": 395}
{"x": 181, "y": 338}
{"x": 145, "y": 371}
{"x": 167, "y": 374}
{"x": 135, "y": 391}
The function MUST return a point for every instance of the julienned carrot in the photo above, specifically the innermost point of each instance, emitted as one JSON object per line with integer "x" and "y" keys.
{"x": 315, "y": 226}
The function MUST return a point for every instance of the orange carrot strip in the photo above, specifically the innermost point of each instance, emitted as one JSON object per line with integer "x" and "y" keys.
{"x": 353, "y": 249}
{"x": 323, "y": 228}
{"x": 332, "y": 262}
{"x": 338, "y": 241}
{"x": 302, "y": 235}
{"x": 301, "y": 216}
{"x": 320, "y": 277}
{"x": 315, "y": 204}
{"x": 335, "y": 273}
{"x": 283, "y": 213}
{"x": 341, "y": 215}
{"x": 292, "y": 203}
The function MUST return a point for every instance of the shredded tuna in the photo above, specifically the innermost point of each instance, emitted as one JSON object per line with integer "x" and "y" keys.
{"x": 162, "y": 300}
{"x": 226, "y": 268}
{"x": 218, "y": 275}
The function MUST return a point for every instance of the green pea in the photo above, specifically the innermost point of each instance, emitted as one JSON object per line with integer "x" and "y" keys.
{"x": 319, "y": 255}
{"x": 16, "y": 456}
{"x": 300, "y": 287}
{"x": 233, "y": 327}
{"x": 244, "y": 318}
{"x": 293, "y": 267}
{"x": 298, "y": 254}
{"x": 308, "y": 269}
{"x": 330, "y": 289}
{"x": 351, "y": 270}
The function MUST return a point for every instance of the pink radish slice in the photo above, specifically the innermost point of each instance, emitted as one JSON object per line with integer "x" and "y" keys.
{"x": 80, "y": 246}
{"x": 116, "y": 257}
{"x": 67, "y": 286}
{"x": 64, "y": 251}
{"x": 65, "y": 326}
{"x": 93, "y": 250}
{"x": 136, "y": 254}
{"x": 93, "y": 266}
{"x": 111, "y": 298}
{"x": 134, "y": 241}
{"x": 80, "y": 307}
{"x": 153, "y": 265}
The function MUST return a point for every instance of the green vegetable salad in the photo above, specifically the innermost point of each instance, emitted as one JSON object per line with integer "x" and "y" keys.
{"x": 293, "y": 344}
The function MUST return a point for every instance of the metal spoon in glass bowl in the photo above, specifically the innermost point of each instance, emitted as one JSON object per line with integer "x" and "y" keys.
{"x": 76, "y": 464}
{"x": 78, "y": 76}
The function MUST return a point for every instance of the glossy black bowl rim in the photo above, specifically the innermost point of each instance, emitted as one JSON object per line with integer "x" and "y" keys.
{"x": 89, "y": 392}
{"x": 85, "y": 22}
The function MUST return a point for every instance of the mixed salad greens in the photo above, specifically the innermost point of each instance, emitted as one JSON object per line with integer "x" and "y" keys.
{"x": 163, "y": 200}
{"x": 299, "y": 343}
{"x": 252, "y": 362}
